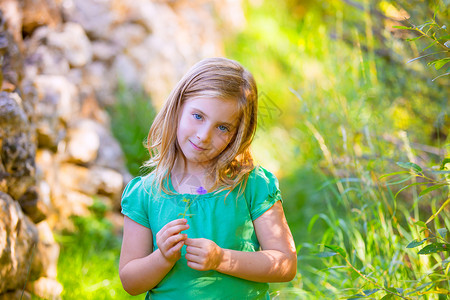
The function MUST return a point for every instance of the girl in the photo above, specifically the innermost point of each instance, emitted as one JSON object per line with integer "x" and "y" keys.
{"x": 205, "y": 223}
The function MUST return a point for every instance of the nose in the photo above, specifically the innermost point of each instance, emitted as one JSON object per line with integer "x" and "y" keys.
{"x": 204, "y": 133}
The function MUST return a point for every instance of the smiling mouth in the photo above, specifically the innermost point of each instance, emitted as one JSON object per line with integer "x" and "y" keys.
{"x": 196, "y": 147}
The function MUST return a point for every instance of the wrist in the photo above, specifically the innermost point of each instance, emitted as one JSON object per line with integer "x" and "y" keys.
{"x": 224, "y": 260}
{"x": 164, "y": 260}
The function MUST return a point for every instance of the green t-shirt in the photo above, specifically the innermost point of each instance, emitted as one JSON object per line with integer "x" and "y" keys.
{"x": 227, "y": 222}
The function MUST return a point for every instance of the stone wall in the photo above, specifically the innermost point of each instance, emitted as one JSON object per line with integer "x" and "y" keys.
{"x": 60, "y": 64}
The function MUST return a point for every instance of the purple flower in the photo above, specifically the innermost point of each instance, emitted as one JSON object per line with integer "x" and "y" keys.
{"x": 201, "y": 190}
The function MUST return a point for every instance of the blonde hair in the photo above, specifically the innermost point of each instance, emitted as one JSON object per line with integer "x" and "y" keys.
{"x": 212, "y": 77}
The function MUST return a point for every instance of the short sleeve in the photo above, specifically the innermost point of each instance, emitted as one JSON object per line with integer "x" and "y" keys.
{"x": 135, "y": 201}
{"x": 261, "y": 192}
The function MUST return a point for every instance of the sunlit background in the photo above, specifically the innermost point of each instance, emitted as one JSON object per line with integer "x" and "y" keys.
{"x": 347, "y": 119}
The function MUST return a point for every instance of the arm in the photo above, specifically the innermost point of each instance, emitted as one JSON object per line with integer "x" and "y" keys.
{"x": 141, "y": 268}
{"x": 276, "y": 262}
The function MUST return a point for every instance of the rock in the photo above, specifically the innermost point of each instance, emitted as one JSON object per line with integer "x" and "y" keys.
{"x": 32, "y": 205}
{"x": 46, "y": 61}
{"x": 3, "y": 176}
{"x": 38, "y": 13}
{"x": 128, "y": 35}
{"x": 46, "y": 288}
{"x": 57, "y": 95}
{"x": 110, "y": 154}
{"x": 74, "y": 203}
{"x": 58, "y": 104}
{"x": 47, "y": 252}
{"x": 96, "y": 180}
{"x": 12, "y": 61}
{"x": 125, "y": 69}
{"x": 16, "y": 295}
{"x": 17, "y": 148}
{"x": 12, "y": 13}
{"x": 104, "y": 51}
{"x": 83, "y": 143}
{"x": 73, "y": 43}
{"x": 18, "y": 239}
{"x": 12, "y": 116}
{"x": 91, "y": 142}
{"x": 108, "y": 181}
{"x": 95, "y": 16}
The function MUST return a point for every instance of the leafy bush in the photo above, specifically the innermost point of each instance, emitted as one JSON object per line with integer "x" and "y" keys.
{"x": 131, "y": 117}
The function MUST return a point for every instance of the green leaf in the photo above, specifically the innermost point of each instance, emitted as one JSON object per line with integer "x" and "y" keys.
{"x": 410, "y": 185}
{"x": 402, "y": 27}
{"x": 442, "y": 232}
{"x": 414, "y": 39}
{"x": 370, "y": 292}
{"x": 430, "y": 45}
{"x": 326, "y": 254}
{"x": 421, "y": 287}
{"x": 421, "y": 224}
{"x": 393, "y": 174}
{"x": 431, "y": 188}
{"x": 411, "y": 60}
{"x": 440, "y": 172}
{"x": 444, "y": 37}
{"x": 409, "y": 165}
{"x": 387, "y": 297}
{"x": 445, "y": 262}
{"x": 401, "y": 180}
{"x": 337, "y": 249}
{"x": 444, "y": 162}
{"x": 363, "y": 294}
{"x": 445, "y": 74}
{"x": 415, "y": 243}
{"x": 434, "y": 248}
{"x": 439, "y": 211}
{"x": 439, "y": 63}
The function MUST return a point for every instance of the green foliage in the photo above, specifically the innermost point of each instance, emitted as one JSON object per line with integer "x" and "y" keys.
{"x": 89, "y": 258}
{"x": 439, "y": 37}
{"x": 131, "y": 117}
{"x": 353, "y": 109}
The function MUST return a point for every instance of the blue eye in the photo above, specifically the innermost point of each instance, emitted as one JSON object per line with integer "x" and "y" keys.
{"x": 197, "y": 116}
{"x": 223, "y": 128}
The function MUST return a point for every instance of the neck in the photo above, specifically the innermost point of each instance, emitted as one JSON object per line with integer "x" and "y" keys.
{"x": 188, "y": 177}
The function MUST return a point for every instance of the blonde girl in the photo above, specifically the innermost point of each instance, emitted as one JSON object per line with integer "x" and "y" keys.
{"x": 205, "y": 223}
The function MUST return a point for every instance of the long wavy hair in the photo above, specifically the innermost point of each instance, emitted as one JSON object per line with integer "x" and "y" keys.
{"x": 212, "y": 77}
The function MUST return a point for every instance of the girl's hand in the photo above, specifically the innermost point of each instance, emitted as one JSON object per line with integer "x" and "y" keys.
{"x": 170, "y": 240}
{"x": 203, "y": 254}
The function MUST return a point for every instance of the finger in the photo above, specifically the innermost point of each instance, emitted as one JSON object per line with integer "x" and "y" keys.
{"x": 171, "y": 241}
{"x": 176, "y": 229}
{"x": 171, "y": 231}
{"x": 193, "y": 258}
{"x": 195, "y": 266}
{"x": 175, "y": 251}
{"x": 174, "y": 223}
{"x": 194, "y": 242}
{"x": 193, "y": 250}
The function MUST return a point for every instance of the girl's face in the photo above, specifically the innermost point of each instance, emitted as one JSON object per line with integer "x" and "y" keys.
{"x": 205, "y": 128}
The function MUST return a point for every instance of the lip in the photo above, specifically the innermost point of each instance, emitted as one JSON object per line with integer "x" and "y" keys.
{"x": 196, "y": 147}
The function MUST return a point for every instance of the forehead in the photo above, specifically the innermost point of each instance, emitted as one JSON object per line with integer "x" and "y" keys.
{"x": 216, "y": 109}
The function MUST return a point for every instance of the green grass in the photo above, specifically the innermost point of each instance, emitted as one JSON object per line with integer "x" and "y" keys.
{"x": 89, "y": 260}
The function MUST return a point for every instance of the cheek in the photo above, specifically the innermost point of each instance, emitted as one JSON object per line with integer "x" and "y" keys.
{"x": 183, "y": 126}
{"x": 222, "y": 142}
